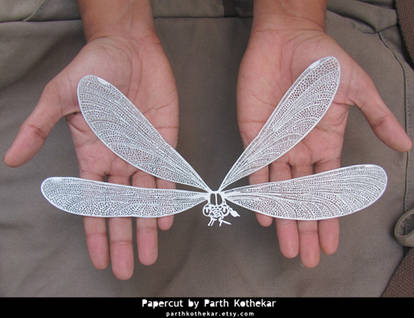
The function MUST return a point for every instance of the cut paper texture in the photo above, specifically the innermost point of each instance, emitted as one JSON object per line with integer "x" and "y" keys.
{"x": 126, "y": 132}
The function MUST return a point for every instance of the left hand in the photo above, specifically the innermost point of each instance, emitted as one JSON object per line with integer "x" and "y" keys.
{"x": 131, "y": 57}
{"x": 276, "y": 55}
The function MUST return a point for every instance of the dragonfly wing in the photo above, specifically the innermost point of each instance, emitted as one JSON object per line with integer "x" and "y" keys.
{"x": 102, "y": 199}
{"x": 298, "y": 112}
{"x": 126, "y": 131}
{"x": 324, "y": 195}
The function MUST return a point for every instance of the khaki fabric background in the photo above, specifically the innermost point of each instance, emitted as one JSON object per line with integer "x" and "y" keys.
{"x": 43, "y": 251}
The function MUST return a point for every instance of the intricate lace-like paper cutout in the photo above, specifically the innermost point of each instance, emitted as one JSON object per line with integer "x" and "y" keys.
{"x": 300, "y": 109}
{"x": 124, "y": 130}
{"x": 324, "y": 195}
{"x": 94, "y": 198}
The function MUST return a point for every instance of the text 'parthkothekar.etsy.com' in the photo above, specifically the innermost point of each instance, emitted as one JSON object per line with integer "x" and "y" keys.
{"x": 208, "y": 303}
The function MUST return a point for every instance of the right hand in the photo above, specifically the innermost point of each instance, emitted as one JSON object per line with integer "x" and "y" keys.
{"x": 283, "y": 41}
{"x": 139, "y": 68}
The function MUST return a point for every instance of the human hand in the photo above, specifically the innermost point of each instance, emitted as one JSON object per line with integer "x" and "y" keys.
{"x": 135, "y": 63}
{"x": 284, "y": 40}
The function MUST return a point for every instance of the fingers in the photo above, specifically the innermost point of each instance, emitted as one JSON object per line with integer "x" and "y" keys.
{"x": 96, "y": 234}
{"x": 166, "y": 222}
{"x": 304, "y": 238}
{"x": 309, "y": 248}
{"x": 35, "y": 129}
{"x": 382, "y": 121}
{"x": 287, "y": 231}
{"x": 120, "y": 233}
{"x": 329, "y": 235}
{"x": 328, "y": 229}
{"x": 122, "y": 255}
{"x": 120, "y": 240}
{"x": 120, "y": 230}
{"x": 147, "y": 234}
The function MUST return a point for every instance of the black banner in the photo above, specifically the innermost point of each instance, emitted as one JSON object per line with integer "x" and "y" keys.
{"x": 202, "y": 306}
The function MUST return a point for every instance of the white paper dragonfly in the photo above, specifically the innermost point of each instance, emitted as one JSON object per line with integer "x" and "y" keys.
{"x": 125, "y": 131}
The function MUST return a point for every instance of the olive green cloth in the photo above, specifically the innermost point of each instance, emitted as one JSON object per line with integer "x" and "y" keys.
{"x": 405, "y": 11}
{"x": 43, "y": 251}
{"x": 402, "y": 281}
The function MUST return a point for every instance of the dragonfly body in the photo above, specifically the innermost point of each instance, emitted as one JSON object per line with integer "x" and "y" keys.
{"x": 217, "y": 209}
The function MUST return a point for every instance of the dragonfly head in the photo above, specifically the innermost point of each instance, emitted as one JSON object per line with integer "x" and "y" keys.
{"x": 216, "y": 198}
{"x": 216, "y": 206}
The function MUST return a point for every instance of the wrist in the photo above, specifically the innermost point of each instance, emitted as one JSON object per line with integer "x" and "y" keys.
{"x": 289, "y": 14}
{"x": 121, "y": 18}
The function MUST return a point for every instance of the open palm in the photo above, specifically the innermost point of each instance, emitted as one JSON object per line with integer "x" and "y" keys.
{"x": 140, "y": 69}
{"x": 273, "y": 60}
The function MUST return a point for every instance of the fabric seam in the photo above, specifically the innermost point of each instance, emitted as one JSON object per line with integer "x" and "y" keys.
{"x": 406, "y": 119}
{"x": 42, "y": 4}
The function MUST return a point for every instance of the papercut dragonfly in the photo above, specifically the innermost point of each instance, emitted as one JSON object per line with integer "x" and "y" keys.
{"x": 126, "y": 132}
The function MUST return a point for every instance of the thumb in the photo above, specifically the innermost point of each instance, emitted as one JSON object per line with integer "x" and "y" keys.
{"x": 382, "y": 121}
{"x": 35, "y": 129}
